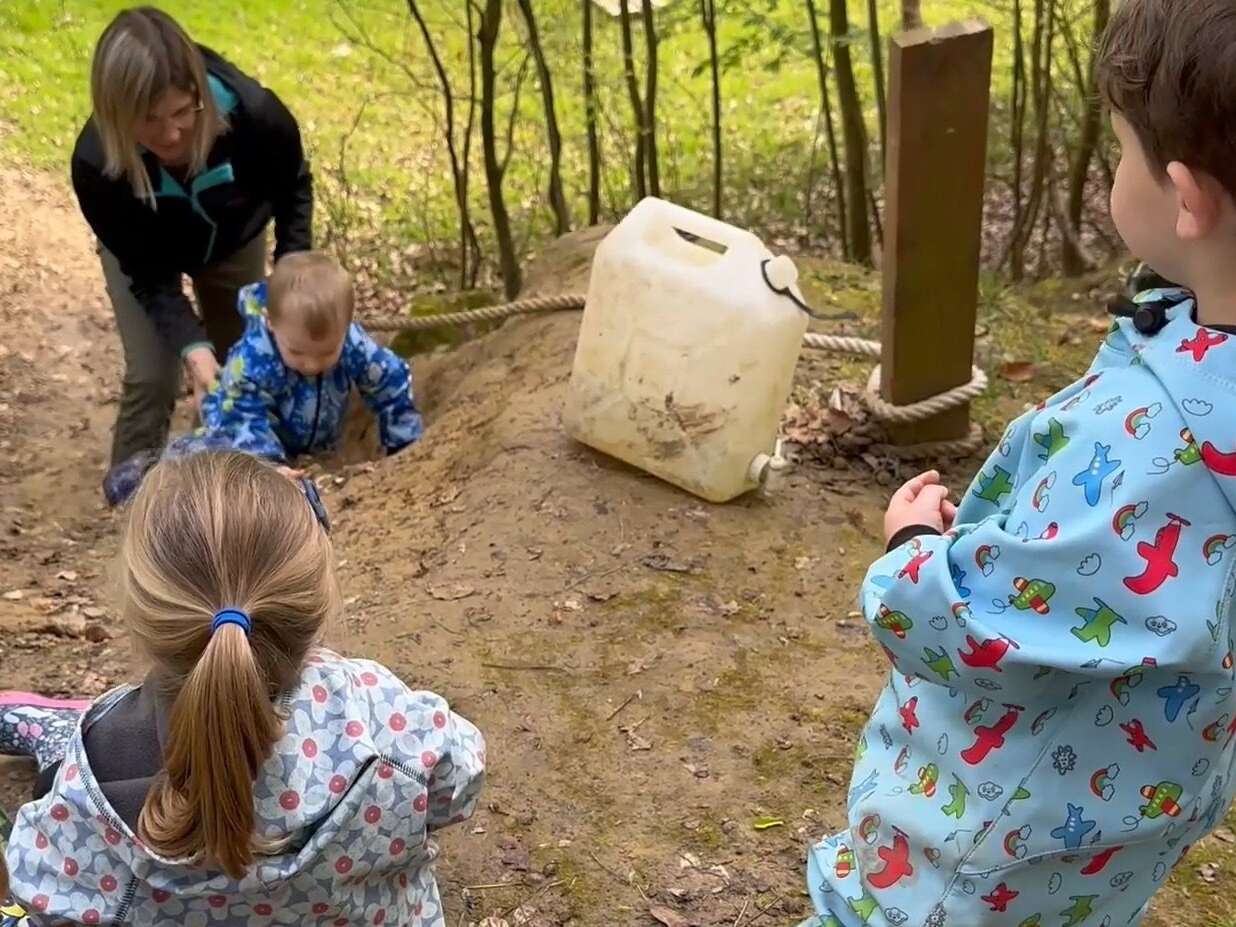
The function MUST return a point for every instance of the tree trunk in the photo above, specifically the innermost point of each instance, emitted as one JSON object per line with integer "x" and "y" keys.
{"x": 590, "y": 108}
{"x": 459, "y": 165}
{"x": 557, "y": 198}
{"x": 1017, "y": 131}
{"x": 1040, "y": 90}
{"x": 708, "y": 13}
{"x": 853, "y": 133}
{"x": 637, "y": 105}
{"x": 1072, "y": 258}
{"x": 826, "y": 114}
{"x": 877, "y": 71}
{"x": 911, "y": 14}
{"x": 473, "y": 240}
{"x": 650, "y": 100}
{"x": 487, "y": 37}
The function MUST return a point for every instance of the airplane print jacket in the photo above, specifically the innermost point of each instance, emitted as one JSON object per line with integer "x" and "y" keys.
{"x": 1059, "y": 725}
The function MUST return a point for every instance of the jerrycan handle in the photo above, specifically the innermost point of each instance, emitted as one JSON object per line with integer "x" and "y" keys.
{"x": 677, "y": 227}
{"x": 781, "y": 276}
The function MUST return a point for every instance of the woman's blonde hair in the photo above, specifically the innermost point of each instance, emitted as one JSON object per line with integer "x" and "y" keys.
{"x": 207, "y": 533}
{"x": 141, "y": 55}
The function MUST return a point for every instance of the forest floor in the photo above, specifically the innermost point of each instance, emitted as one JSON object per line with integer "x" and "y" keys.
{"x": 654, "y": 675}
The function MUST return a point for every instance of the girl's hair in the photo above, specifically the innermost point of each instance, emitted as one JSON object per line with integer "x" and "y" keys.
{"x": 206, "y": 533}
{"x": 141, "y": 55}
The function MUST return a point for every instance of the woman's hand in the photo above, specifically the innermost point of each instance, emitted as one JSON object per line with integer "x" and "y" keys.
{"x": 203, "y": 370}
{"x": 921, "y": 501}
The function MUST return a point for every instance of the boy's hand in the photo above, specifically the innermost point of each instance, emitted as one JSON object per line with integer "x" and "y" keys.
{"x": 921, "y": 501}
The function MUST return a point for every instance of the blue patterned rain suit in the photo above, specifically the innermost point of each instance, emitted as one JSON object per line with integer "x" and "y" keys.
{"x": 366, "y": 770}
{"x": 270, "y": 410}
{"x": 1060, "y": 725}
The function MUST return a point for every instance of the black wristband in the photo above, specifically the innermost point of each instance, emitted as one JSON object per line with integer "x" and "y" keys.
{"x": 908, "y": 533}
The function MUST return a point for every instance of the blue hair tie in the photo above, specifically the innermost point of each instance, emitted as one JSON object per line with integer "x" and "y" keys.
{"x": 231, "y": 616}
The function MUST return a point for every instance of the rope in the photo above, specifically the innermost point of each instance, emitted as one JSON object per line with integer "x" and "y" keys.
{"x": 879, "y": 407}
{"x": 484, "y": 314}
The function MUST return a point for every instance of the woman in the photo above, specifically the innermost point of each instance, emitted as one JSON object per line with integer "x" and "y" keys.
{"x": 178, "y": 171}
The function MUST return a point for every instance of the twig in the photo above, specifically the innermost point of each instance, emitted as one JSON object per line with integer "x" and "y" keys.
{"x": 745, "y": 903}
{"x": 493, "y": 885}
{"x": 764, "y": 910}
{"x": 540, "y": 891}
{"x": 617, "y": 877}
{"x": 587, "y": 576}
{"x": 638, "y": 693}
{"x": 449, "y": 630}
{"x": 527, "y": 667}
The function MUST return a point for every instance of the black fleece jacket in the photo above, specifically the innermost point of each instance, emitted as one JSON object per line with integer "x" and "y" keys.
{"x": 256, "y": 171}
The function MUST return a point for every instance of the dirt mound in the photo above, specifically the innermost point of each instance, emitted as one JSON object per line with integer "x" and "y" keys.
{"x": 671, "y": 691}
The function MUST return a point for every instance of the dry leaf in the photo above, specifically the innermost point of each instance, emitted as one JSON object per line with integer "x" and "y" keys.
{"x": 93, "y": 611}
{"x": 451, "y": 593}
{"x": 15, "y": 596}
{"x": 667, "y": 917}
{"x": 1018, "y": 371}
{"x": 665, "y": 564}
{"x": 1208, "y": 872}
{"x": 638, "y": 743}
{"x": 69, "y": 576}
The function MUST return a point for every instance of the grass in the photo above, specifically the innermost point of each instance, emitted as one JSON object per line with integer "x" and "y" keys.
{"x": 339, "y": 63}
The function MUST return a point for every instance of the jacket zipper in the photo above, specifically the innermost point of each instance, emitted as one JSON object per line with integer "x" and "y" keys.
{"x": 317, "y": 411}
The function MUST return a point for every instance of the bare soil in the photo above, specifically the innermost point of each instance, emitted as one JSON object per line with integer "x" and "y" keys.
{"x": 654, "y": 675}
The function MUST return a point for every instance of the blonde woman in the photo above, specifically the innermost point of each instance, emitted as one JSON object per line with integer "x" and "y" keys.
{"x": 179, "y": 170}
{"x": 252, "y": 778}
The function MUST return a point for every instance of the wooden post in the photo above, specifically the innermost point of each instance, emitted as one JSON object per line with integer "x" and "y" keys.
{"x": 939, "y": 89}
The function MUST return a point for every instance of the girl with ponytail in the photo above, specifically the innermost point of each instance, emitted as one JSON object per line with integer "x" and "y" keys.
{"x": 253, "y": 777}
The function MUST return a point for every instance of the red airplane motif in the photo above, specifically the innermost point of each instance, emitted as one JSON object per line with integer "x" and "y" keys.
{"x": 1099, "y": 863}
{"x": 909, "y": 715}
{"x": 986, "y": 655}
{"x": 987, "y": 739}
{"x": 916, "y": 563}
{"x": 1159, "y": 557}
{"x": 1000, "y": 898}
{"x": 1217, "y": 461}
{"x": 1231, "y": 732}
{"x": 896, "y": 863}
{"x": 1202, "y": 342}
{"x": 1137, "y": 736}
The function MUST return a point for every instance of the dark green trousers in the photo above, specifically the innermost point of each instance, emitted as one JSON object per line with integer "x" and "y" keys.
{"x": 152, "y": 369}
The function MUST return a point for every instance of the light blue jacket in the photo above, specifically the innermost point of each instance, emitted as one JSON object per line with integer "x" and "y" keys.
{"x": 1059, "y": 726}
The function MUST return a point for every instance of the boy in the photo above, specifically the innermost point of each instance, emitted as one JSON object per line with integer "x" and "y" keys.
{"x": 1060, "y": 725}
{"x": 284, "y": 389}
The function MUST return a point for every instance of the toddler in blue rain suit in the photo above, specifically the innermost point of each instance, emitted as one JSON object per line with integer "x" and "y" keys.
{"x": 284, "y": 389}
{"x": 1060, "y": 723}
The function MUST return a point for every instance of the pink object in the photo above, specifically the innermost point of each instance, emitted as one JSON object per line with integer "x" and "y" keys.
{"x": 13, "y": 699}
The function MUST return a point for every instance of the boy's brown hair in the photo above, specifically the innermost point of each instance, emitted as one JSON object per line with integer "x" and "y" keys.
{"x": 310, "y": 288}
{"x": 1169, "y": 68}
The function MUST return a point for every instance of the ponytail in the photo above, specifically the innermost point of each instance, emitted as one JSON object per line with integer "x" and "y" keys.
{"x": 221, "y": 535}
{"x": 223, "y": 727}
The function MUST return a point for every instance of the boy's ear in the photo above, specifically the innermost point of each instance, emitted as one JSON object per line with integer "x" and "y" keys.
{"x": 1199, "y": 200}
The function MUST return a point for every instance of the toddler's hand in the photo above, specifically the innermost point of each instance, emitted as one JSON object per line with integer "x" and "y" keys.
{"x": 921, "y": 501}
{"x": 291, "y": 474}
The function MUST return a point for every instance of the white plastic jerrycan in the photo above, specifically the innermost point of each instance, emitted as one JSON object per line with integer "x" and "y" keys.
{"x": 686, "y": 353}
